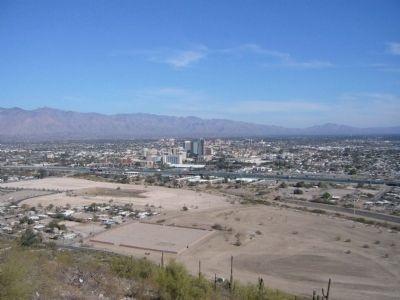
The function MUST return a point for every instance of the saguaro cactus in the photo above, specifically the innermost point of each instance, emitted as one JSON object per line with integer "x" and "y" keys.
{"x": 326, "y": 296}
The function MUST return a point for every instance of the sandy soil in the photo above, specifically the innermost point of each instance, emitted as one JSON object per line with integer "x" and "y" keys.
{"x": 17, "y": 196}
{"x": 150, "y": 237}
{"x": 168, "y": 198}
{"x": 298, "y": 251}
{"x": 118, "y": 192}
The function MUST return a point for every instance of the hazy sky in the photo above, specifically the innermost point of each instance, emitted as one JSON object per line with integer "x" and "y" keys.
{"x": 290, "y": 63}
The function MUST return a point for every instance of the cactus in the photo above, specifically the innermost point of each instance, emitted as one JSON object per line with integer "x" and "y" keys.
{"x": 324, "y": 296}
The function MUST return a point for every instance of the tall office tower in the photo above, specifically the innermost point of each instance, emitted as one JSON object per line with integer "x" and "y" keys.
{"x": 195, "y": 148}
{"x": 201, "y": 147}
{"x": 187, "y": 146}
{"x": 198, "y": 147}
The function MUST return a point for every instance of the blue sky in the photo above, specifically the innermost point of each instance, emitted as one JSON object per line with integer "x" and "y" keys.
{"x": 289, "y": 63}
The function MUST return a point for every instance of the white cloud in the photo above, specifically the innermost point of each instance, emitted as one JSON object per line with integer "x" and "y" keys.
{"x": 176, "y": 58}
{"x": 185, "y": 58}
{"x": 393, "y": 48}
{"x": 313, "y": 64}
{"x": 282, "y": 59}
{"x": 276, "y": 107}
{"x": 256, "y": 49}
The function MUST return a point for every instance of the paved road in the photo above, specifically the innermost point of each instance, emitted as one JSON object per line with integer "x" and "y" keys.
{"x": 297, "y": 177}
{"x": 357, "y": 212}
{"x": 381, "y": 193}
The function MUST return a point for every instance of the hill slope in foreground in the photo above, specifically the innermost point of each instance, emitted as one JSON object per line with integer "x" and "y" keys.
{"x": 53, "y": 124}
{"x": 46, "y": 273}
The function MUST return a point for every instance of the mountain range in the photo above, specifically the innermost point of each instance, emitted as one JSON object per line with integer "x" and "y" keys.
{"x": 45, "y": 124}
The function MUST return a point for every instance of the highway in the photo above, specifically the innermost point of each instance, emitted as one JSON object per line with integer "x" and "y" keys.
{"x": 299, "y": 177}
{"x": 356, "y": 212}
{"x": 185, "y": 172}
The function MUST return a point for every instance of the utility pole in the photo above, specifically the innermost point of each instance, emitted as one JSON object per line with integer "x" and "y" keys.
{"x": 231, "y": 279}
{"x": 199, "y": 269}
{"x": 354, "y": 204}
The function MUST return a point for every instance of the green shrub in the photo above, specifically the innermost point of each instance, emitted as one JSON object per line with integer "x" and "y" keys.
{"x": 29, "y": 238}
{"x": 253, "y": 292}
{"x": 174, "y": 282}
{"x": 132, "y": 268}
{"x": 14, "y": 272}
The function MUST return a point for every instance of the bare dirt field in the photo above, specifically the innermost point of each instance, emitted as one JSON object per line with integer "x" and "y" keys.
{"x": 76, "y": 194}
{"x": 108, "y": 192}
{"x": 84, "y": 229}
{"x": 298, "y": 251}
{"x": 17, "y": 196}
{"x": 150, "y": 237}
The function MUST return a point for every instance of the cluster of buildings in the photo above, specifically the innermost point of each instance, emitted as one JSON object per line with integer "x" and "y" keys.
{"x": 190, "y": 151}
{"x": 50, "y": 221}
{"x": 369, "y": 157}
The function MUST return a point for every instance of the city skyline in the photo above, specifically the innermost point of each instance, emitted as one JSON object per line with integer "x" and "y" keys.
{"x": 279, "y": 63}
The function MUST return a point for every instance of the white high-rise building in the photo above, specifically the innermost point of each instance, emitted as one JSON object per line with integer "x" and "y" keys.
{"x": 173, "y": 159}
{"x": 187, "y": 146}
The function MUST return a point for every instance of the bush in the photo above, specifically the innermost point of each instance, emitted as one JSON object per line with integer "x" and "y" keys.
{"x": 130, "y": 268}
{"x": 318, "y": 211}
{"x": 55, "y": 224}
{"x": 298, "y": 192}
{"x": 29, "y": 238}
{"x": 300, "y": 184}
{"x": 283, "y": 185}
{"x": 217, "y": 226}
{"x": 254, "y": 292}
{"x": 174, "y": 282}
{"x": 326, "y": 196}
{"x": 25, "y": 219}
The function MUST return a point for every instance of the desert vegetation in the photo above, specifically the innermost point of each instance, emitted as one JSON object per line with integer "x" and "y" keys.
{"x": 44, "y": 272}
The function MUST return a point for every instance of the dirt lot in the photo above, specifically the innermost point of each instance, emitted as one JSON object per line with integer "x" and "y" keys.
{"x": 298, "y": 251}
{"x": 115, "y": 192}
{"x": 17, "y": 196}
{"x": 150, "y": 237}
{"x": 76, "y": 189}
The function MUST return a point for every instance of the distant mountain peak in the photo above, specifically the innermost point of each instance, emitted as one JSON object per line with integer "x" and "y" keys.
{"x": 47, "y": 123}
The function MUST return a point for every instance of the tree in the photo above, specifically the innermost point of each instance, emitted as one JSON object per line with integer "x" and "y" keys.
{"x": 326, "y": 196}
{"x": 283, "y": 185}
{"x": 353, "y": 171}
{"x": 42, "y": 173}
{"x": 54, "y": 224}
{"x": 300, "y": 184}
